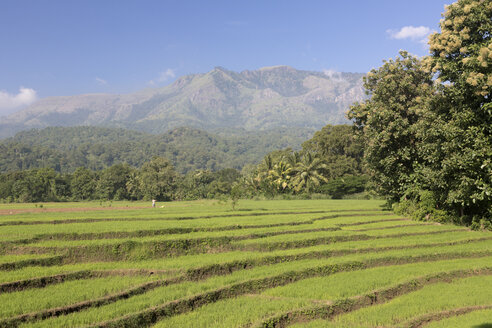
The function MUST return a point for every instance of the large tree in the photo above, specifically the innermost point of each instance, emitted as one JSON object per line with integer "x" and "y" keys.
{"x": 308, "y": 173}
{"x": 158, "y": 179}
{"x": 387, "y": 122}
{"x": 83, "y": 184}
{"x": 460, "y": 153}
{"x": 427, "y": 127}
{"x": 338, "y": 148}
{"x": 112, "y": 182}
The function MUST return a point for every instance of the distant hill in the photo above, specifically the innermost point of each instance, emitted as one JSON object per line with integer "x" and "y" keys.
{"x": 66, "y": 148}
{"x": 264, "y": 99}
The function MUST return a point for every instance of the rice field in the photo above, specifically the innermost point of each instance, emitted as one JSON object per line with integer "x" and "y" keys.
{"x": 296, "y": 263}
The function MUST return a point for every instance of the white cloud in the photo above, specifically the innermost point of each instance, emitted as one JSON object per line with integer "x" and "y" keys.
{"x": 9, "y": 103}
{"x": 164, "y": 76}
{"x": 333, "y": 74}
{"x": 414, "y": 33}
{"x": 101, "y": 81}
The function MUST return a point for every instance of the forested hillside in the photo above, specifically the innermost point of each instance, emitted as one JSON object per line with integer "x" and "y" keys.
{"x": 67, "y": 148}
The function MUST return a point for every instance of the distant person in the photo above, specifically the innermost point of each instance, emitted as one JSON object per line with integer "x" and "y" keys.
{"x": 153, "y": 202}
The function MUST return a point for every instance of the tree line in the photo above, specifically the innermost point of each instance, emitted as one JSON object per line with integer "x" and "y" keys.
{"x": 329, "y": 163}
{"x": 156, "y": 179}
{"x": 67, "y": 148}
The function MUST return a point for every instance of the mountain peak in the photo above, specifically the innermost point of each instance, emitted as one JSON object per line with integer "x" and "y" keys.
{"x": 220, "y": 69}
{"x": 270, "y": 97}
{"x": 277, "y": 68}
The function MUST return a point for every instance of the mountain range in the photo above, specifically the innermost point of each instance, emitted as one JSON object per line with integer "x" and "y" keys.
{"x": 278, "y": 97}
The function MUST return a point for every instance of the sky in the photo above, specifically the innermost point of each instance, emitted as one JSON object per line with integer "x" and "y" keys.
{"x": 67, "y": 47}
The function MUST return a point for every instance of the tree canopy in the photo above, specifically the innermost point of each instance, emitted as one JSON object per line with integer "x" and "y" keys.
{"x": 427, "y": 126}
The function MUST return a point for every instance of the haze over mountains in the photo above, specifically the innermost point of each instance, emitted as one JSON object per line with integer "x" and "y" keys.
{"x": 264, "y": 99}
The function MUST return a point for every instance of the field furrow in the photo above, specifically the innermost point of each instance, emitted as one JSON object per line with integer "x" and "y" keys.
{"x": 267, "y": 264}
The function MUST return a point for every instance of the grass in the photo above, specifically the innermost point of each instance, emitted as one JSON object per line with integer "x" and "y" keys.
{"x": 54, "y": 296}
{"x": 205, "y": 265}
{"x": 476, "y": 319}
{"x": 168, "y": 293}
{"x": 434, "y": 298}
{"x": 180, "y": 209}
{"x": 348, "y": 284}
{"x": 20, "y": 257}
{"x": 232, "y": 313}
{"x": 191, "y": 261}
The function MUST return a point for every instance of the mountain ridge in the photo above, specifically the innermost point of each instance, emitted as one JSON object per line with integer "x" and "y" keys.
{"x": 270, "y": 97}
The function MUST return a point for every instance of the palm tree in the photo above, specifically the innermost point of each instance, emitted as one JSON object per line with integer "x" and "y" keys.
{"x": 308, "y": 171}
{"x": 253, "y": 182}
{"x": 281, "y": 175}
{"x": 293, "y": 160}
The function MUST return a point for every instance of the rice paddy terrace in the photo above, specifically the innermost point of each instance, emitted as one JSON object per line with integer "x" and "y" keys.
{"x": 311, "y": 263}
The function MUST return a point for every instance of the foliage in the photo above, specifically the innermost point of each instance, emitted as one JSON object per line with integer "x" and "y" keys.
{"x": 346, "y": 185}
{"x": 34, "y": 186}
{"x": 461, "y": 138}
{"x": 112, "y": 182}
{"x": 158, "y": 179}
{"x": 309, "y": 173}
{"x": 427, "y": 127}
{"x": 388, "y": 122}
{"x": 67, "y": 148}
{"x": 331, "y": 154}
{"x": 83, "y": 184}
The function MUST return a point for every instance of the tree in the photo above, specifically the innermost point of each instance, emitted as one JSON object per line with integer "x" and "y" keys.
{"x": 339, "y": 149}
{"x": 158, "y": 179}
{"x": 112, "y": 182}
{"x": 335, "y": 140}
{"x": 281, "y": 175}
{"x": 349, "y": 184}
{"x": 83, "y": 184}
{"x": 428, "y": 124}
{"x": 133, "y": 186}
{"x": 195, "y": 184}
{"x": 461, "y": 53}
{"x": 460, "y": 138}
{"x": 308, "y": 173}
{"x": 400, "y": 91}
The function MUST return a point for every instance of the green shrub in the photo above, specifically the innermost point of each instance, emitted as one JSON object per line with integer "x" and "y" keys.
{"x": 346, "y": 185}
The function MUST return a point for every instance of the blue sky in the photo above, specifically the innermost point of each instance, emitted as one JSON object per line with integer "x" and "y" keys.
{"x": 67, "y": 47}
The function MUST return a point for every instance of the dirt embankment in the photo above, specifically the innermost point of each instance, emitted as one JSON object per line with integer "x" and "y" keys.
{"x": 65, "y": 209}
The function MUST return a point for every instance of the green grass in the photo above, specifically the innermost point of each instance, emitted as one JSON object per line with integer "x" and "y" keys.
{"x": 168, "y": 293}
{"x": 348, "y": 284}
{"x": 20, "y": 257}
{"x": 237, "y": 312}
{"x": 55, "y": 296}
{"x": 247, "y": 309}
{"x": 16, "y": 232}
{"x": 194, "y": 261}
{"x": 434, "y": 298}
{"x": 183, "y": 209}
{"x": 273, "y": 256}
{"x": 375, "y": 233}
{"x": 476, "y": 319}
